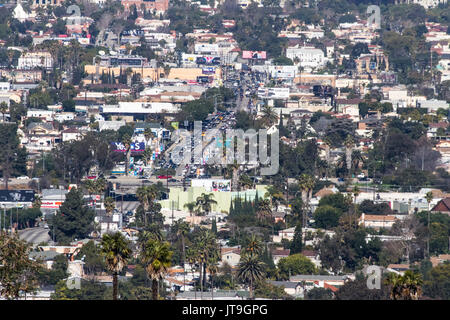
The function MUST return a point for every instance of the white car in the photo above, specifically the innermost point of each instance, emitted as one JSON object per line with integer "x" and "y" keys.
{"x": 23, "y": 178}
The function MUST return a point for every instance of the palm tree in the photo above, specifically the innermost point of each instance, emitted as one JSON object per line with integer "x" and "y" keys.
{"x": 306, "y": 184}
{"x": 205, "y": 248}
{"x": 269, "y": 116}
{"x": 3, "y": 109}
{"x": 327, "y": 143}
{"x": 91, "y": 186}
{"x": 157, "y": 258}
{"x": 126, "y": 140}
{"x": 190, "y": 206}
{"x": 264, "y": 210}
{"x": 245, "y": 182}
{"x": 110, "y": 205}
{"x": 250, "y": 270}
{"x": 147, "y": 155}
{"x": 147, "y": 135}
{"x": 205, "y": 202}
{"x": 253, "y": 246}
{"x": 146, "y": 195}
{"x": 429, "y": 198}
{"x": 406, "y": 287}
{"x": 355, "y": 193}
{"x": 37, "y": 202}
{"x": 349, "y": 144}
{"x": 116, "y": 250}
{"x": 211, "y": 266}
{"x": 181, "y": 229}
{"x": 275, "y": 196}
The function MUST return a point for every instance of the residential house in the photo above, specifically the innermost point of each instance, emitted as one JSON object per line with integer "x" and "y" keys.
{"x": 376, "y": 221}
{"x": 231, "y": 256}
{"x": 440, "y": 259}
{"x": 279, "y": 253}
{"x": 442, "y": 206}
{"x": 42, "y": 137}
{"x": 319, "y": 281}
{"x": 71, "y": 134}
{"x": 313, "y": 256}
{"x": 294, "y": 289}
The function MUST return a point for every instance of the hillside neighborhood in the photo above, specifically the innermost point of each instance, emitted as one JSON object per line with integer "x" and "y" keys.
{"x": 118, "y": 118}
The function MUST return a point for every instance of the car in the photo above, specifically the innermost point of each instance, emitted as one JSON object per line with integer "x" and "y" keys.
{"x": 173, "y": 180}
{"x": 341, "y": 179}
{"x": 164, "y": 177}
{"x": 23, "y": 178}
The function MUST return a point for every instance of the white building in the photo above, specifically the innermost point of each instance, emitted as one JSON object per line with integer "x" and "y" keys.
{"x": 140, "y": 108}
{"x": 309, "y": 57}
{"x": 31, "y": 60}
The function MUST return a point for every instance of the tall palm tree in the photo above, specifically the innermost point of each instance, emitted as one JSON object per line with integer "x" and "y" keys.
{"x": 327, "y": 143}
{"x": 264, "y": 210}
{"x": 275, "y": 196}
{"x": 205, "y": 202}
{"x": 37, "y": 202}
{"x": 91, "y": 186}
{"x": 3, "y": 109}
{"x": 146, "y": 195}
{"x": 429, "y": 198}
{"x": 253, "y": 246}
{"x": 349, "y": 144}
{"x": 211, "y": 266}
{"x": 116, "y": 251}
{"x": 355, "y": 193}
{"x": 205, "y": 248}
{"x": 250, "y": 270}
{"x": 110, "y": 205}
{"x": 126, "y": 140}
{"x": 190, "y": 206}
{"x": 147, "y": 155}
{"x": 181, "y": 229}
{"x": 406, "y": 287}
{"x": 306, "y": 185}
{"x": 157, "y": 258}
{"x": 147, "y": 135}
{"x": 269, "y": 116}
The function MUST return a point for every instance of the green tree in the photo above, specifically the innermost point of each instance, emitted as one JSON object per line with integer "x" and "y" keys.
{"x": 18, "y": 273}
{"x": 74, "y": 220}
{"x": 205, "y": 202}
{"x": 157, "y": 258}
{"x": 116, "y": 251}
{"x": 405, "y": 287}
{"x": 437, "y": 285}
{"x": 326, "y": 217}
{"x": 295, "y": 264}
{"x": 250, "y": 270}
{"x": 296, "y": 244}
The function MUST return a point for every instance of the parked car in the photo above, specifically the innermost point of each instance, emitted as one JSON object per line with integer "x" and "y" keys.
{"x": 23, "y": 178}
{"x": 164, "y": 177}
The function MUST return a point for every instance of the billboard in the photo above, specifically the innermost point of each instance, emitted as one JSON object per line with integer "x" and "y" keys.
{"x": 208, "y": 70}
{"x": 206, "y": 48}
{"x": 135, "y": 147}
{"x": 273, "y": 93}
{"x": 208, "y": 60}
{"x": 283, "y": 72}
{"x": 254, "y": 55}
{"x": 211, "y": 185}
